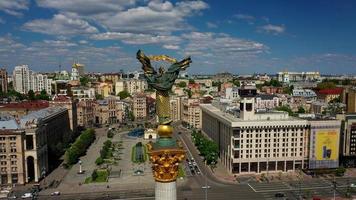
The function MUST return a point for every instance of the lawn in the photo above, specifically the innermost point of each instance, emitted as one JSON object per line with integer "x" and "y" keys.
{"x": 181, "y": 172}
{"x": 102, "y": 177}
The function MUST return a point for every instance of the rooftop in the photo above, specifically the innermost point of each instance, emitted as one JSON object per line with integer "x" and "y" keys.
{"x": 331, "y": 91}
{"x": 30, "y": 105}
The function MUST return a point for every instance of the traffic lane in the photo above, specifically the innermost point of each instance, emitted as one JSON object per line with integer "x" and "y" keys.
{"x": 203, "y": 168}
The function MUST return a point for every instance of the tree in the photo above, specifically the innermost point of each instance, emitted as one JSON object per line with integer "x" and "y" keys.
{"x": 94, "y": 175}
{"x": 182, "y": 84}
{"x": 31, "y": 95}
{"x": 99, "y": 96}
{"x": 301, "y": 110}
{"x": 124, "y": 94}
{"x": 110, "y": 134}
{"x": 236, "y": 83}
{"x": 286, "y": 109}
{"x": 191, "y": 81}
{"x": 84, "y": 80}
{"x": 99, "y": 161}
{"x": 326, "y": 85}
{"x": 43, "y": 95}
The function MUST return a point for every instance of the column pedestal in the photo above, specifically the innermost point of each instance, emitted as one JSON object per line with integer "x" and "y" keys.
{"x": 166, "y": 191}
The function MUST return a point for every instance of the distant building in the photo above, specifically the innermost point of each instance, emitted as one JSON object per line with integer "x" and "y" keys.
{"x": 286, "y": 77}
{"x": 176, "y": 109}
{"x": 105, "y": 111}
{"x": 305, "y": 93}
{"x": 191, "y": 112}
{"x": 150, "y": 134}
{"x": 139, "y": 106}
{"x": 223, "y": 77}
{"x": 3, "y": 80}
{"x": 77, "y": 71}
{"x": 20, "y": 109}
{"x": 25, "y": 80}
{"x": 104, "y": 89}
{"x": 327, "y": 95}
{"x": 266, "y": 101}
{"x": 85, "y": 112}
{"x": 232, "y": 93}
{"x": 70, "y": 105}
{"x": 318, "y": 107}
{"x": 83, "y": 93}
{"x": 349, "y": 98}
{"x": 132, "y": 86}
{"x": 272, "y": 90}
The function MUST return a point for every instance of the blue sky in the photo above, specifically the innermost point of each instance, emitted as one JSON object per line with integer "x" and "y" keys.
{"x": 250, "y": 36}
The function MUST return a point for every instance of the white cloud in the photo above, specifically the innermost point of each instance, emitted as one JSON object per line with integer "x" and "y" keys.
{"x": 211, "y": 25}
{"x": 273, "y": 29}
{"x": 156, "y": 18}
{"x": 86, "y": 7}
{"x": 171, "y": 47}
{"x": 139, "y": 38}
{"x": 244, "y": 17}
{"x": 2, "y": 21}
{"x": 83, "y": 42}
{"x": 14, "y": 7}
{"x": 60, "y": 24}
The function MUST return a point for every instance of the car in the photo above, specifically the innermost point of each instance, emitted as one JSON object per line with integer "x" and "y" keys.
{"x": 198, "y": 172}
{"x": 27, "y": 195}
{"x": 12, "y": 197}
{"x": 206, "y": 187}
{"x": 56, "y": 193}
{"x": 279, "y": 194}
{"x": 353, "y": 185}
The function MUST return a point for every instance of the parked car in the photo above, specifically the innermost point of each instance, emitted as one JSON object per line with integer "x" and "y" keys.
{"x": 27, "y": 195}
{"x": 56, "y": 193}
{"x": 353, "y": 185}
{"x": 206, "y": 187}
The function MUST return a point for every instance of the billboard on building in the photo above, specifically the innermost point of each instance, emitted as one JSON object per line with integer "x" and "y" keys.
{"x": 324, "y": 146}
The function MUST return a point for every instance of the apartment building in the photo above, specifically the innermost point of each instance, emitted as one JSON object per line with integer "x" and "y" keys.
{"x": 3, "y": 80}
{"x": 191, "y": 114}
{"x": 139, "y": 106}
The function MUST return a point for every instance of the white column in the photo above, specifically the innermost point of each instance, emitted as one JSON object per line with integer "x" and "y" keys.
{"x": 166, "y": 191}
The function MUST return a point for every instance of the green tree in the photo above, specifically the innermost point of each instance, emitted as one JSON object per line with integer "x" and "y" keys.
{"x": 110, "y": 134}
{"x": 99, "y": 161}
{"x": 286, "y": 109}
{"x": 182, "y": 84}
{"x": 131, "y": 116}
{"x": 326, "y": 85}
{"x": 301, "y": 110}
{"x": 99, "y": 96}
{"x": 191, "y": 81}
{"x": 43, "y": 95}
{"x": 84, "y": 81}
{"x": 124, "y": 94}
{"x": 31, "y": 95}
{"x": 236, "y": 82}
{"x": 94, "y": 175}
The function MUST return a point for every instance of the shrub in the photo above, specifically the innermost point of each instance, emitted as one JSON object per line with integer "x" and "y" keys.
{"x": 79, "y": 147}
{"x": 110, "y": 134}
{"x": 94, "y": 175}
{"x": 99, "y": 161}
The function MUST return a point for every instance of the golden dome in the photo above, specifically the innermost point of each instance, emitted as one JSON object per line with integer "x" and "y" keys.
{"x": 165, "y": 130}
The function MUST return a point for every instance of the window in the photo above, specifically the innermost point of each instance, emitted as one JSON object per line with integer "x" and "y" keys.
{"x": 2, "y": 138}
{"x": 13, "y": 162}
{"x": 12, "y": 138}
{"x": 3, "y": 169}
{"x": 2, "y": 162}
{"x": 14, "y": 169}
{"x": 13, "y": 156}
{"x": 2, "y": 157}
{"x": 14, "y": 178}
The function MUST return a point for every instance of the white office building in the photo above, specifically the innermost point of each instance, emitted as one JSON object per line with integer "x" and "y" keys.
{"x": 256, "y": 142}
{"x": 26, "y": 80}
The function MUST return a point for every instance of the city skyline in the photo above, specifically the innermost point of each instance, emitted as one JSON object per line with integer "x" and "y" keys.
{"x": 238, "y": 36}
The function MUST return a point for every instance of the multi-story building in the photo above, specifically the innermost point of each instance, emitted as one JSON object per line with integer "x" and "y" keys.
{"x": 104, "y": 89}
{"x": 256, "y": 142}
{"x": 135, "y": 85}
{"x": 70, "y": 105}
{"x": 83, "y": 93}
{"x": 12, "y": 163}
{"x": 348, "y": 139}
{"x": 111, "y": 77}
{"x": 36, "y": 146}
{"x": 349, "y": 98}
{"x": 191, "y": 113}
{"x": 85, "y": 112}
{"x": 21, "y": 79}
{"x": 21, "y": 109}
{"x": 105, "y": 111}
{"x": 223, "y": 77}
{"x": 26, "y": 80}
{"x": 272, "y": 90}
{"x": 232, "y": 93}
{"x": 139, "y": 107}
{"x": 3, "y": 80}
{"x": 266, "y": 101}
{"x": 287, "y": 77}
{"x": 327, "y": 95}
{"x": 305, "y": 93}
{"x": 175, "y": 106}
{"x": 119, "y": 86}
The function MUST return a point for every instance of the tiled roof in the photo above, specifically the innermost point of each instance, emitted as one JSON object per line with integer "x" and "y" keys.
{"x": 31, "y": 105}
{"x": 331, "y": 91}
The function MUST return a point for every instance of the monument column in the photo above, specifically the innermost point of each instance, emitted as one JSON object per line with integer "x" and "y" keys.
{"x": 166, "y": 153}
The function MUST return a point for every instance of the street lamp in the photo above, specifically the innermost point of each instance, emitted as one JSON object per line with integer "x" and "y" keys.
{"x": 80, "y": 167}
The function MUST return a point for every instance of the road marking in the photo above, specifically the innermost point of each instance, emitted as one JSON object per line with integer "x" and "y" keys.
{"x": 251, "y": 187}
{"x": 191, "y": 155}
